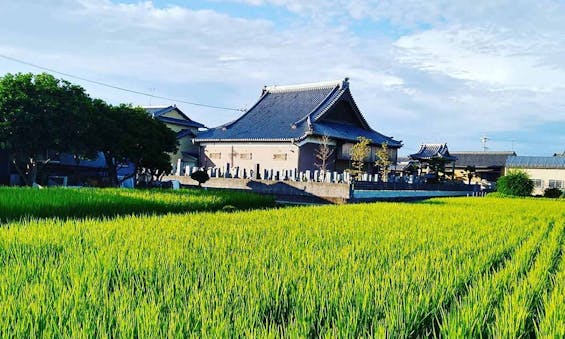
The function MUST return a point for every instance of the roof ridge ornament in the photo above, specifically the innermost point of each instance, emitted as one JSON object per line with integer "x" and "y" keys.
{"x": 303, "y": 87}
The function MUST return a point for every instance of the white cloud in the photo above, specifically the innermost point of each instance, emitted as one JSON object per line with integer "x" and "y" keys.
{"x": 470, "y": 69}
{"x": 494, "y": 58}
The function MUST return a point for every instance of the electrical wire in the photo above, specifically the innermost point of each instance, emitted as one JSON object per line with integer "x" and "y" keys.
{"x": 117, "y": 87}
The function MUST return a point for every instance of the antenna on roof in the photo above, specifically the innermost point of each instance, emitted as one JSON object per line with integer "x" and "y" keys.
{"x": 484, "y": 140}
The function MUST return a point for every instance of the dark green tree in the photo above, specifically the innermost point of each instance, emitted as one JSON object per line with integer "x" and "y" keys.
{"x": 516, "y": 183}
{"x": 40, "y": 116}
{"x": 200, "y": 176}
{"x": 470, "y": 172}
{"x": 128, "y": 135}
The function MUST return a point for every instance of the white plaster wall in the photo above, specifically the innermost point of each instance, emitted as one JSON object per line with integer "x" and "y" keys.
{"x": 261, "y": 153}
{"x": 544, "y": 174}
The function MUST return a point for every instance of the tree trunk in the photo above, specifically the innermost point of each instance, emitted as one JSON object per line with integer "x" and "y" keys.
{"x": 112, "y": 169}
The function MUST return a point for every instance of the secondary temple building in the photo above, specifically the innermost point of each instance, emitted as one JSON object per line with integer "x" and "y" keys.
{"x": 185, "y": 128}
{"x": 284, "y": 129}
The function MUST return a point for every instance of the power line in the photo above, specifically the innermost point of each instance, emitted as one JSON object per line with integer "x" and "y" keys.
{"x": 117, "y": 87}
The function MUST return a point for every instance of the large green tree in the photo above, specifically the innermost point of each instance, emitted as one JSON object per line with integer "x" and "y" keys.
{"x": 40, "y": 116}
{"x": 127, "y": 135}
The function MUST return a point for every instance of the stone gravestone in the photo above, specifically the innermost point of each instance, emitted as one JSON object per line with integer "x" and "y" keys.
{"x": 178, "y": 168}
{"x": 226, "y": 170}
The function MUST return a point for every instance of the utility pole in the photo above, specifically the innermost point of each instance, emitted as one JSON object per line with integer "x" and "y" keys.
{"x": 484, "y": 140}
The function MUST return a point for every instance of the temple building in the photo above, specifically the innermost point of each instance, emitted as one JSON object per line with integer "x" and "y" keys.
{"x": 285, "y": 128}
{"x": 435, "y": 159}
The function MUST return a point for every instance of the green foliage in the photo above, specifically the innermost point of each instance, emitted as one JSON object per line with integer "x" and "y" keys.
{"x": 133, "y": 136}
{"x": 201, "y": 176}
{"x": 516, "y": 183}
{"x": 38, "y": 114}
{"x": 497, "y": 195}
{"x": 552, "y": 192}
{"x": 365, "y": 270}
{"x": 18, "y": 203}
{"x": 470, "y": 172}
{"x": 383, "y": 161}
{"x": 41, "y": 115}
{"x": 359, "y": 154}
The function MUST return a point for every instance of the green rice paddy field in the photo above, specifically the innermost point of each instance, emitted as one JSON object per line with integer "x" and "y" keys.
{"x": 458, "y": 267}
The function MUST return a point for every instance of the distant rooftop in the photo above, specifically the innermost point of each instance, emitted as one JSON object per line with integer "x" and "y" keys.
{"x": 158, "y": 112}
{"x": 433, "y": 151}
{"x": 482, "y": 159}
{"x": 557, "y": 162}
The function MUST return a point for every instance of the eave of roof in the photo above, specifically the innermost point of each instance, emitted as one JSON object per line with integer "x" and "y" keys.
{"x": 159, "y": 111}
{"x": 180, "y": 122}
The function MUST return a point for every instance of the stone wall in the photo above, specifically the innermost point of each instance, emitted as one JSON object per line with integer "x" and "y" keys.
{"x": 330, "y": 192}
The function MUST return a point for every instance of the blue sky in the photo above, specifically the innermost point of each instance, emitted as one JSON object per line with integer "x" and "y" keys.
{"x": 421, "y": 71}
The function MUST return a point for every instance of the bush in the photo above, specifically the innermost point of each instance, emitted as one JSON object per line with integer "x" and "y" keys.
{"x": 229, "y": 209}
{"x": 496, "y": 195}
{"x": 515, "y": 183}
{"x": 552, "y": 193}
{"x": 200, "y": 176}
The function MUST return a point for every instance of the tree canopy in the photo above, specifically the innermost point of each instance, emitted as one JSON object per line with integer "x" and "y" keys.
{"x": 41, "y": 115}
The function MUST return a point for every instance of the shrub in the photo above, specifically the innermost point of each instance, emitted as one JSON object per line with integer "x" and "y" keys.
{"x": 496, "y": 195}
{"x": 200, "y": 176}
{"x": 552, "y": 192}
{"x": 515, "y": 183}
{"x": 229, "y": 209}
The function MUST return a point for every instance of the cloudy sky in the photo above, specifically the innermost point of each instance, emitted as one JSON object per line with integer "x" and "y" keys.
{"x": 421, "y": 71}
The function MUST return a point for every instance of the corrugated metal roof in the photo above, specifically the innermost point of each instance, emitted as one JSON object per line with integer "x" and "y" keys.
{"x": 535, "y": 162}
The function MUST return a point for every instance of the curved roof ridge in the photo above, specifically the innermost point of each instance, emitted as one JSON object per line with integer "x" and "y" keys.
{"x": 323, "y": 103}
{"x": 307, "y": 86}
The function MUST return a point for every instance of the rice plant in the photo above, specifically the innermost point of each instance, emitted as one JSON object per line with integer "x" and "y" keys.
{"x": 367, "y": 270}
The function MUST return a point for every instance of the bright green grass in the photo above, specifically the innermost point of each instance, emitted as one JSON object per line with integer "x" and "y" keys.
{"x": 16, "y": 203}
{"x": 400, "y": 270}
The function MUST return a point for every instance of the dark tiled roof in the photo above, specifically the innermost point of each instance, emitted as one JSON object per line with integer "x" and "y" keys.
{"x": 158, "y": 112}
{"x": 351, "y": 133}
{"x": 185, "y": 132}
{"x": 429, "y": 151}
{"x": 482, "y": 159}
{"x": 535, "y": 162}
{"x": 293, "y": 113}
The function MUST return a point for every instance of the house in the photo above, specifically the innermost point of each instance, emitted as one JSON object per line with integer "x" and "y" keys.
{"x": 285, "y": 128}
{"x": 186, "y": 130}
{"x": 488, "y": 165}
{"x": 546, "y": 172}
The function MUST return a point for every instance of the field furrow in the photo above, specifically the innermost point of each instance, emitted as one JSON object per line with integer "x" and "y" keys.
{"x": 471, "y": 314}
{"x": 552, "y": 311}
{"x": 366, "y": 270}
{"x": 515, "y": 316}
